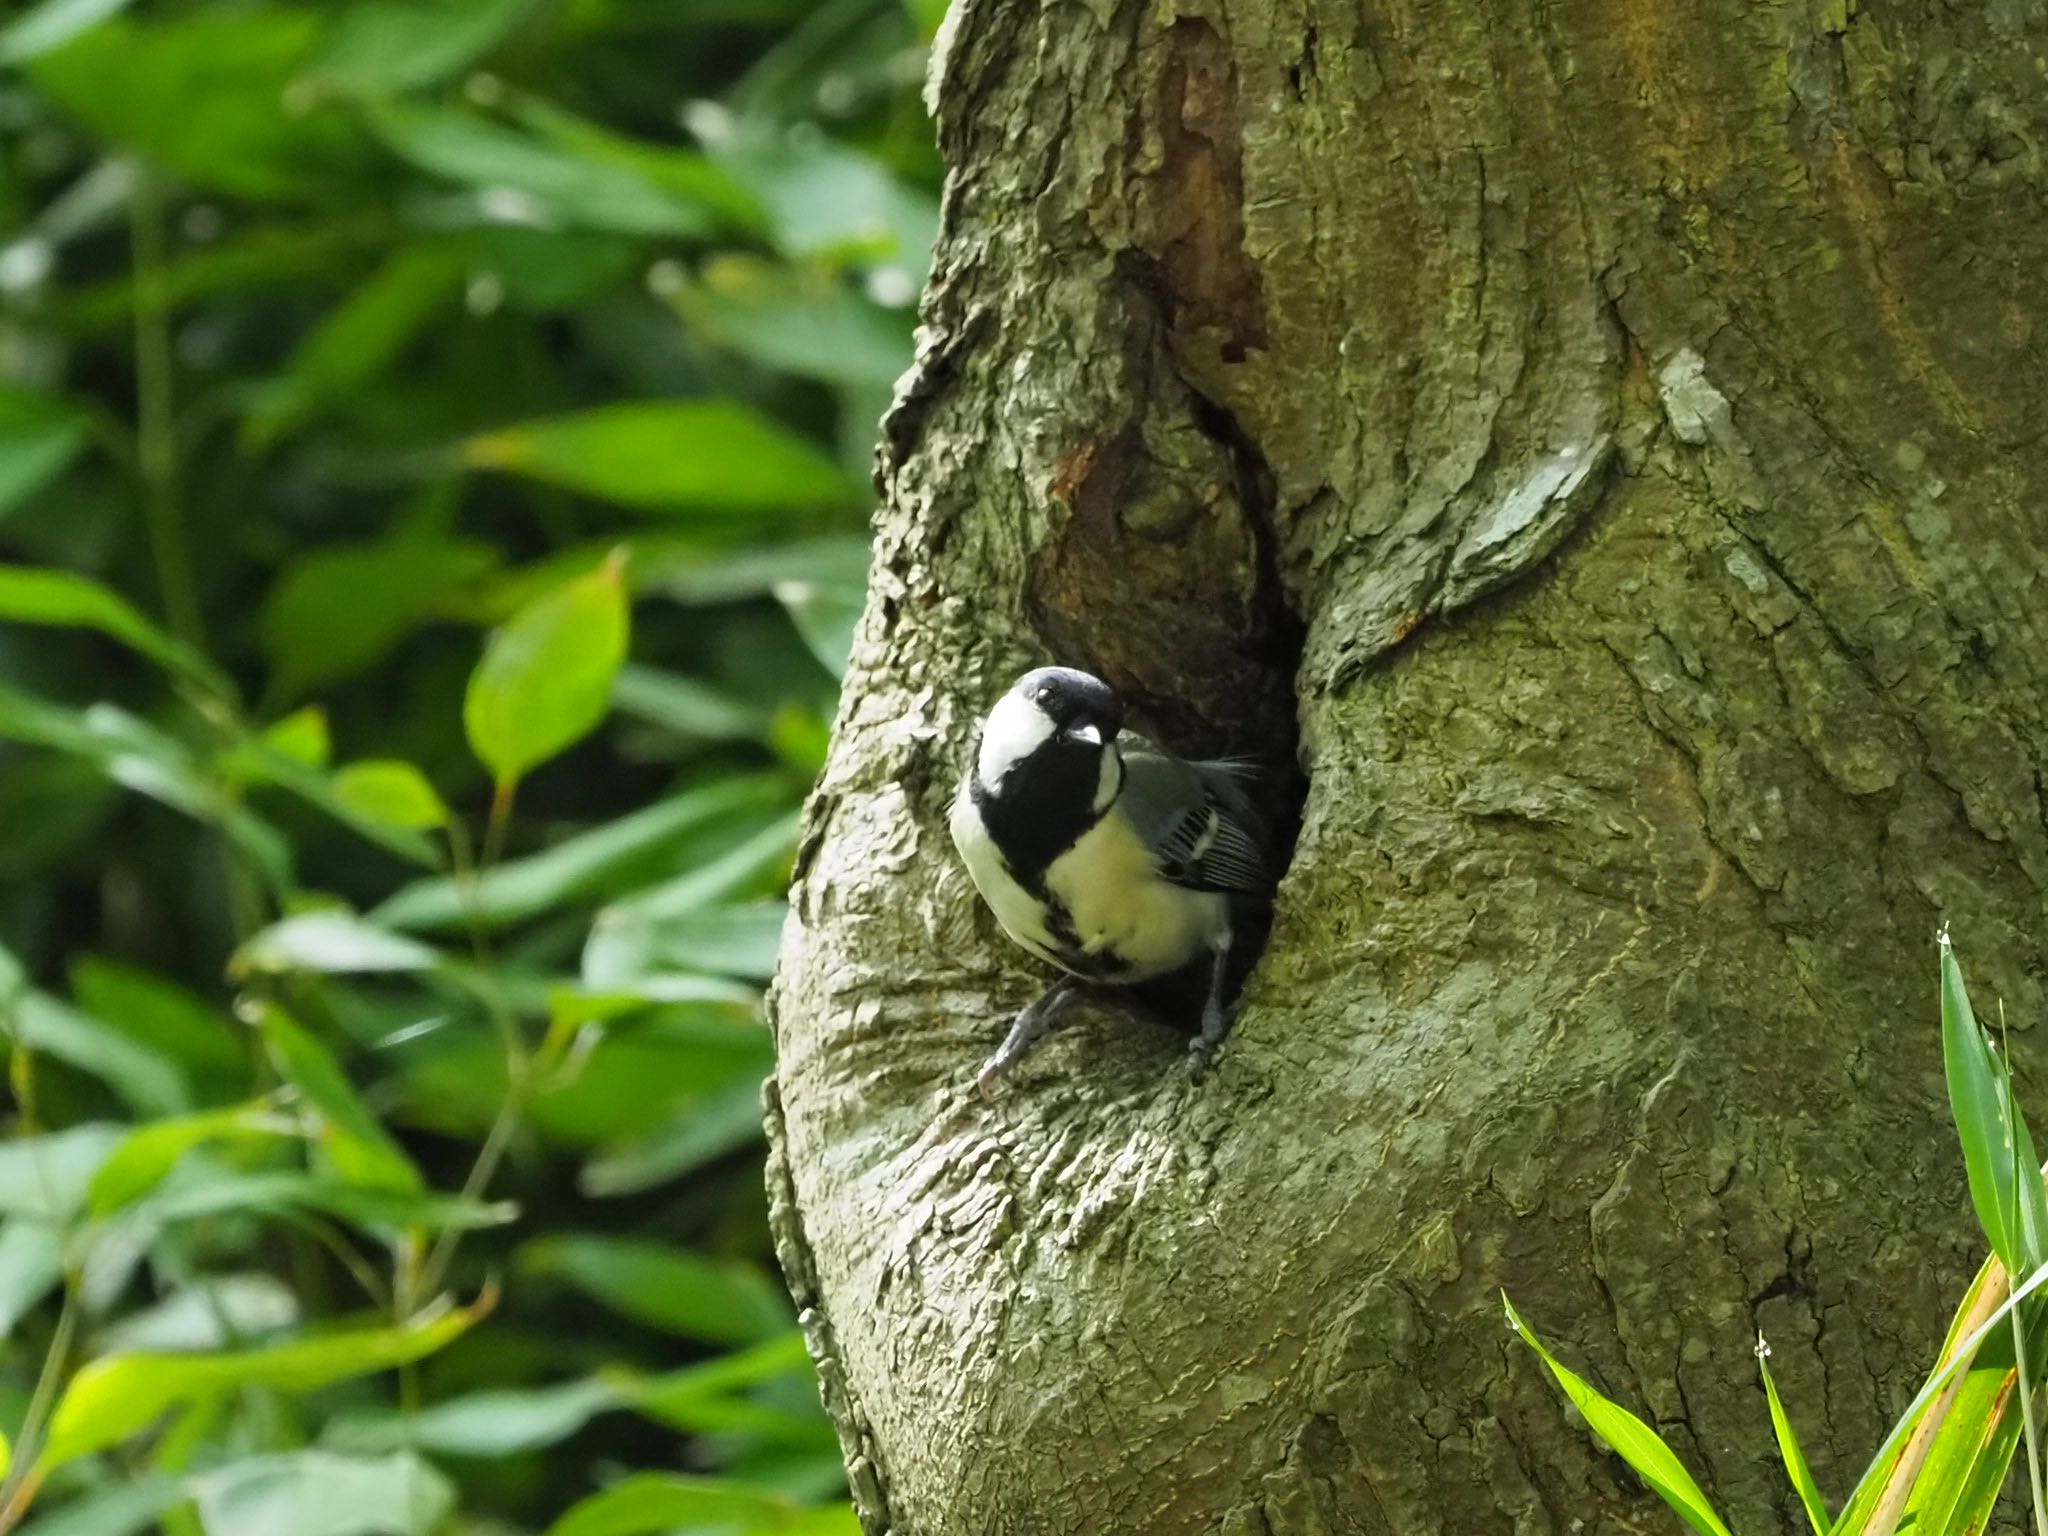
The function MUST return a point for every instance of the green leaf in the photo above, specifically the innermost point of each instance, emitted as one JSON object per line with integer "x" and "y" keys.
{"x": 386, "y": 45}
{"x": 658, "y": 1502}
{"x": 161, "y": 1016}
{"x": 686, "y": 707}
{"x": 51, "y": 25}
{"x": 2004, "y": 1172}
{"x": 363, "y": 1151}
{"x": 30, "y": 1267}
{"x": 1970, "y": 1422}
{"x": 1789, "y": 1450}
{"x": 545, "y": 681}
{"x": 45, "y": 1178}
{"x": 711, "y": 1128}
{"x": 211, "y": 1312}
{"x": 670, "y": 456}
{"x": 331, "y": 943}
{"x": 341, "y": 608}
{"x": 61, "y": 599}
{"x": 631, "y": 941}
{"x": 721, "y": 1302}
{"x": 802, "y": 321}
{"x": 393, "y": 792}
{"x": 302, "y": 736}
{"x": 636, "y": 847}
{"x": 318, "y": 1493}
{"x": 1630, "y": 1438}
{"x": 124, "y": 1508}
{"x": 150, "y": 1151}
{"x": 551, "y": 185}
{"x": 119, "y": 1395}
{"x": 826, "y": 617}
{"x": 136, "y": 1071}
{"x": 38, "y": 435}
{"x": 203, "y": 95}
{"x": 482, "y": 1424}
{"x": 380, "y": 1209}
{"x": 138, "y": 756}
{"x": 359, "y": 339}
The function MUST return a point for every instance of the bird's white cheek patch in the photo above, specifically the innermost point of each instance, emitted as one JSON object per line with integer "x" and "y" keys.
{"x": 1016, "y": 728}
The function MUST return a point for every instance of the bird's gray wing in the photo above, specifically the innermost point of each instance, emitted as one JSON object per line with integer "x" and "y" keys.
{"x": 1197, "y": 820}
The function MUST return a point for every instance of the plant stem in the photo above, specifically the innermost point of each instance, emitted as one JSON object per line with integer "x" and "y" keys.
{"x": 2019, "y": 1351}
{"x": 22, "y": 1477}
{"x": 156, "y": 423}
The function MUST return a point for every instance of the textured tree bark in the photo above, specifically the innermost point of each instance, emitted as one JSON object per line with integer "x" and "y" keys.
{"x": 1609, "y": 435}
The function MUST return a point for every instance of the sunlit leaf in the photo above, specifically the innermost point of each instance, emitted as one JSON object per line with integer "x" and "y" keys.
{"x": 657, "y": 1502}
{"x": 545, "y": 680}
{"x": 118, "y": 1395}
{"x": 150, "y": 1151}
{"x": 302, "y": 736}
{"x": 52, "y": 24}
{"x": 721, "y": 1301}
{"x": 1631, "y": 1439}
{"x": 391, "y": 791}
{"x": 672, "y": 456}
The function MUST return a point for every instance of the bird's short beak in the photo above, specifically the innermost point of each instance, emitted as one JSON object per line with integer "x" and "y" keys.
{"x": 1092, "y": 734}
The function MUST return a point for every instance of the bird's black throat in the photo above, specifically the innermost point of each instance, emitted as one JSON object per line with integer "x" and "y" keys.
{"x": 1040, "y": 805}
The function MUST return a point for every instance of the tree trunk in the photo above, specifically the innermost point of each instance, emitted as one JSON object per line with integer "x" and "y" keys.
{"x": 1608, "y": 434}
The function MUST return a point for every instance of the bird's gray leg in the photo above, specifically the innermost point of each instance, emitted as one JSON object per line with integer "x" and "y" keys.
{"x": 1215, "y": 1016}
{"x": 1033, "y": 1022}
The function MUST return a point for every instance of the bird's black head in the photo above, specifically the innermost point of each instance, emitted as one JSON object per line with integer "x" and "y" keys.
{"x": 1052, "y": 715}
{"x": 1074, "y": 702}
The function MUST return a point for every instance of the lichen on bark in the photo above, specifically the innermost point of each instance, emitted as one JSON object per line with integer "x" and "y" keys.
{"x": 1605, "y": 435}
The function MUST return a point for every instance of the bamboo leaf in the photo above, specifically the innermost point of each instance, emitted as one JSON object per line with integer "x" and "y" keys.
{"x": 1789, "y": 1449}
{"x": 1631, "y": 1439}
{"x": 120, "y": 1395}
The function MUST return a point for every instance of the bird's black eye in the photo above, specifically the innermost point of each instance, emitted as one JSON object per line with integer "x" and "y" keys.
{"x": 1043, "y": 696}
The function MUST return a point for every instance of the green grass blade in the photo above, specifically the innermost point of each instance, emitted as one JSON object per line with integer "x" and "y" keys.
{"x": 1632, "y": 1440}
{"x": 1788, "y": 1447}
{"x": 1977, "y": 1096}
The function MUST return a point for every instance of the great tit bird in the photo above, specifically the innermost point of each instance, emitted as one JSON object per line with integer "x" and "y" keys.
{"x": 1104, "y": 854}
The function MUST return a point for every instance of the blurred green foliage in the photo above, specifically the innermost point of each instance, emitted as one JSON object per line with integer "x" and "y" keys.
{"x": 433, "y": 443}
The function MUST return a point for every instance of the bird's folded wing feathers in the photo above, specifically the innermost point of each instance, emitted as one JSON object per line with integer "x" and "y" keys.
{"x": 1197, "y": 820}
